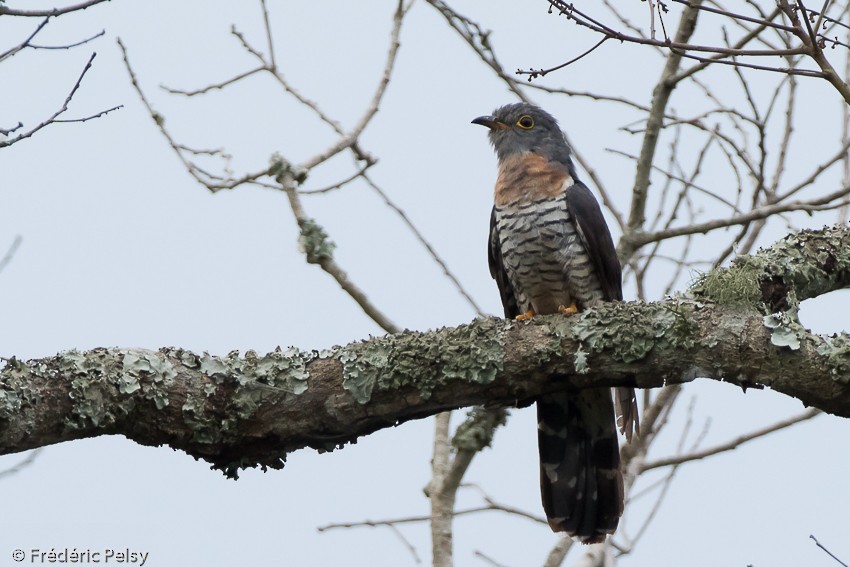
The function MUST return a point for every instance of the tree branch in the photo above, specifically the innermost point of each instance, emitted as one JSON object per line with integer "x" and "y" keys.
{"x": 660, "y": 98}
{"x": 244, "y": 411}
{"x": 49, "y": 13}
{"x": 732, "y": 444}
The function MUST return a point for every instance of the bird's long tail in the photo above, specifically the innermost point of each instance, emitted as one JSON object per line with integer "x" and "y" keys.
{"x": 580, "y": 479}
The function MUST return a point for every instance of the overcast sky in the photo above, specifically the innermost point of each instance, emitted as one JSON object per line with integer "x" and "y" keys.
{"x": 121, "y": 248}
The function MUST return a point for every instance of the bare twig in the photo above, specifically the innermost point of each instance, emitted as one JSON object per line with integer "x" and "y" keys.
{"x": 828, "y": 552}
{"x": 661, "y": 97}
{"x": 64, "y": 108}
{"x": 27, "y": 461}
{"x": 10, "y": 252}
{"x": 49, "y": 13}
{"x": 351, "y": 137}
{"x": 329, "y": 265}
{"x": 487, "y": 559}
{"x": 24, "y": 44}
{"x": 731, "y": 444}
{"x": 101, "y": 33}
{"x": 427, "y": 245}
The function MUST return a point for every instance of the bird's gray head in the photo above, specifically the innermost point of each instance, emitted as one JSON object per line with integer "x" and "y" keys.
{"x": 520, "y": 127}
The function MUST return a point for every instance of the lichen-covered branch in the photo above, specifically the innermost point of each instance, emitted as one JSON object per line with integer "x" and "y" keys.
{"x": 736, "y": 324}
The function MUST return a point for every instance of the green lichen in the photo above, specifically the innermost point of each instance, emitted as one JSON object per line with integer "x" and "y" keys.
{"x": 684, "y": 332}
{"x": 94, "y": 376}
{"x": 477, "y": 431}
{"x": 314, "y": 242}
{"x": 736, "y": 285}
{"x": 812, "y": 261}
{"x": 204, "y": 428}
{"x": 425, "y": 361}
{"x": 253, "y": 378}
{"x": 580, "y": 361}
{"x": 276, "y": 373}
{"x": 836, "y": 350}
{"x": 785, "y": 331}
{"x": 150, "y": 372}
{"x": 627, "y": 331}
{"x": 13, "y": 383}
{"x": 286, "y": 173}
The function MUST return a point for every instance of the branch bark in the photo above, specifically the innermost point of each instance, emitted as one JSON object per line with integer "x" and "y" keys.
{"x": 736, "y": 324}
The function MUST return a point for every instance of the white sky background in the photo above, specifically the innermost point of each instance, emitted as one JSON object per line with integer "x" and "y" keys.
{"x": 121, "y": 248}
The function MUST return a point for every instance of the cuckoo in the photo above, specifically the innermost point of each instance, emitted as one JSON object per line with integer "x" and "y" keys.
{"x": 550, "y": 251}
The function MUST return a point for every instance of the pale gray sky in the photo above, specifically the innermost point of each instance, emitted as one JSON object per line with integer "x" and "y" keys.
{"x": 121, "y": 248}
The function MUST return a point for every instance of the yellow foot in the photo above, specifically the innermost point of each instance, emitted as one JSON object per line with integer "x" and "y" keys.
{"x": 570, "y": 310}
{"x": 526, "y": 316}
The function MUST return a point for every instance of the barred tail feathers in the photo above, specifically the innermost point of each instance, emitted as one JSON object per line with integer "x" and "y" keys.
{"x": 580, "y": 479}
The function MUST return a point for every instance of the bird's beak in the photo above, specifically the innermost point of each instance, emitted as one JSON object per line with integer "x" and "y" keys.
{"x": 490, "y": 122}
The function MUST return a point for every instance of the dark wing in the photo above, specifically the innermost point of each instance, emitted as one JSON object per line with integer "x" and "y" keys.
{"x": 497, "y": 270}
{"x": 596, "y": 238}
{"x": 594, "y": 234}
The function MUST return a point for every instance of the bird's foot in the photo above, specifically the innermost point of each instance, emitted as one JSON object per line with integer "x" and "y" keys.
{"x": 571, "y": 309}
{"x": 525, "y": 316}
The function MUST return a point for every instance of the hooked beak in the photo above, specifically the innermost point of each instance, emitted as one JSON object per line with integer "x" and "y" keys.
{"x": 490, "y": 122}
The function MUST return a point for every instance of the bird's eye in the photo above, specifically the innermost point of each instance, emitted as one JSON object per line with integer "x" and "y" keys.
{"x": 525, "y": 122}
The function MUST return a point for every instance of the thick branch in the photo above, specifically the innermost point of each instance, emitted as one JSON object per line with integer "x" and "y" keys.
{"x": 237, "y": 412}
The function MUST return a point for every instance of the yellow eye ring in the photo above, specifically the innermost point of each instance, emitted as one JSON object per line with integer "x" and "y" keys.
{"x": 525, "y": 122}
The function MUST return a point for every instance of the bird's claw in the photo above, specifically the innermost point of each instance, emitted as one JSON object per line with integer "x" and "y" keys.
{"x": 571, "y": 309}
{"x": 525, "y": 316}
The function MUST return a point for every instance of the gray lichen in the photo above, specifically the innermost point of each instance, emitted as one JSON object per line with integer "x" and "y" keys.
{"x": 314, "y": 242}
{"x": 785, "y": 330}
{"x": 627, "y": 331}
{"x": 252, "y": 378}
{"x": 470, "y": 352}
{"x": 151, "y": 372}
{"x": 476, "y": 432}
{"x": 836, "y": 351}
{"x": 94, "y": 376}
{"x": 286, "y": 173}
{"x": 736, "y": 285}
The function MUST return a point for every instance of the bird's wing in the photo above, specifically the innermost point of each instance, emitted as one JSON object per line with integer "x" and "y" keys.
{"x": 497, "y": 270}
{"x": 594, "y": 234}
{"x": 597, "y": 240}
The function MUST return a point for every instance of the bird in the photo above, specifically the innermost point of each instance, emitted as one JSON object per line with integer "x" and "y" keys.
{"x": 550, "y": 251}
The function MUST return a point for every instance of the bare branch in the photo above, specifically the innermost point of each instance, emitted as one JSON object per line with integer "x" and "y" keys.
{"x": 27, "y": 461}
{"x": 318, "y": 249}
{"x": 534, "y": 73}
{"x": 489, "y": 560}
{"x": 661, "y": 97}
{"x": 214, "y": 86}
{"x": 828, "y": 552}
{"x": 54, "y": 117}
{"x": 442, "y": 499}
{"x": 427, "y": 245}
{"x": 559, "y": 552}
{"x": 353, "y": 135}
{"x": 50, "y": 13}
{"x": 10, "y": 252}
{"x": 24, "y": 44}
{"x": 101, "y": 33}
{"x": 733, "y": 443}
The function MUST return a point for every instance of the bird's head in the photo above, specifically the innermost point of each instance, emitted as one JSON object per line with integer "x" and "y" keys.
{"x": 520, "y": 127}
